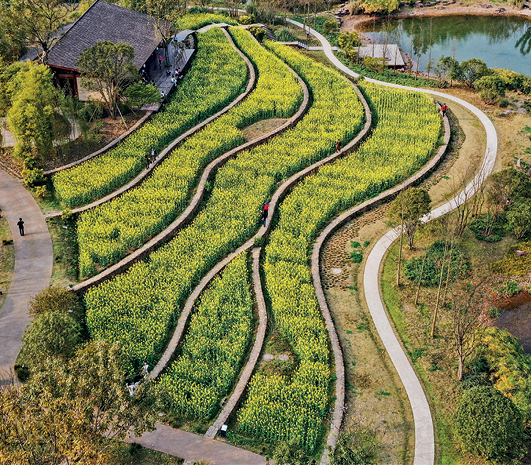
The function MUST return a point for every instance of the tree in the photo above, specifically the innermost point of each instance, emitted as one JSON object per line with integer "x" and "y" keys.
{"x": 505, "y": 187}
{"x": 472, "y": 70}
{"x": 139, "y": 94}
{"x": 490, "y": 425}
{"x": 36, "y": 21}
{"x": 348, "y": 39}
{"x": 448, "y": 68}
{"x": 408, "y": 208}
{"x": 55, "y": 299}
{"x": 163, "y": 13}
{"x": 466, "y": 326}
{"x": 107, "y": 68}
{"x": 354, "y": 447}
{"x": 73, "y": 412}
{"x": 491, "y": 88}
{"x": 31, "y": 116}
{"x": 376, "y": 65}
{"x": 51, "y": 334}
{"x": 379, "y": 6}
{"x": 519, "y": 217}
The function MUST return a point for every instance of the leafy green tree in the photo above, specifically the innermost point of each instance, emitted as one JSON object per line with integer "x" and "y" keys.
{"x": 519, "y": 218}
{"x": 108, "y": 68}
{"x": 53, "y": 334}
{"x": 36, "y": 22}
{"x": 472, "y": 70}
{"x": 376, "y": 65}
{"x": 408, "y": 208}
{"x": 139, "y": 94}
{"x": 488, "y": 424}
{"x": 348, "y": 39}
{"x": 73, "y": 412}
{"x": 32, "y": 114}
{"x": 491, "y": 88}
{"x": 55, "y": 299}
{"x": 447, "y": 68}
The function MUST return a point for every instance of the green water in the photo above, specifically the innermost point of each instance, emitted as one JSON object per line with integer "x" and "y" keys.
{"x": 500, "y": 41}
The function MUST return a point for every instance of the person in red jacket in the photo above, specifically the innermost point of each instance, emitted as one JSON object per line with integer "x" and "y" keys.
{"x": 443, "y": 109}
{"x": 265, "y": 213}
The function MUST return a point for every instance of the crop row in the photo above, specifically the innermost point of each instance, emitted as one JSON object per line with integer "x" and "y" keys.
{"x": 139, "y": 306}
{"x": 107, "y": 232}
{"x": 214, "y": 347}
{"x": 407, "y": 131}
{"x": 217, "y": 75}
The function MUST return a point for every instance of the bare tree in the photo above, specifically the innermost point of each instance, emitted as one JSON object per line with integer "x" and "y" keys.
{"x": 466, "y": 319}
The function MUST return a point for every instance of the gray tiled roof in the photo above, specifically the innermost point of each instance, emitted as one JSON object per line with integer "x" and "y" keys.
{"x": 105, "y": 21}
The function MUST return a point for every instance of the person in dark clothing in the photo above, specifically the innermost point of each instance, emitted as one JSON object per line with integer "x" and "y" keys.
{"x": 338, "y": 145}
{"x": 265, "y": 213}
{"x": 153, "y": 155}
{"x": 147, "y": 160}
{"x": 20, "y": 225}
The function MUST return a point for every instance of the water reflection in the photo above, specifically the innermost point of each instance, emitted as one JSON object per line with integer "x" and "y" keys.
{"x": 500, "y": 41}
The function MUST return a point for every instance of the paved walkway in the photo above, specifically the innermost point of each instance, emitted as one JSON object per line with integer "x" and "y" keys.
{"x": 193, "y": 448}
{"x": 33, "y": 265}
{"x": 424, "y": 434}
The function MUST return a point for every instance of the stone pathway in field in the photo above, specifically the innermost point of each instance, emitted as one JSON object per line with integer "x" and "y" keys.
{"x": 193, "y": 448}
{"x": 33, "y": 266}
{"x": 424, "y": 434}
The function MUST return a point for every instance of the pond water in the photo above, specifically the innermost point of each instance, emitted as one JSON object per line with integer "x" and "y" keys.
{"x": 500, "y": 41}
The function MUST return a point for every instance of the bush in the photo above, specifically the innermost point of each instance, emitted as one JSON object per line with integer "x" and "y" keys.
{"x": 488, "y": 424}
{"x": 34, "y": 177}
{"x": 330, "y": 26}
{"x": 519, "y": 217}
{"x": 352, "y": 54}
{"x": 258, "y": 32}
{"x": 247, "y": 19}
{"x": 346, "y": 40}
{"x": 285, "y": 35}
{"x": 474, "y": 380}
{"x": 52, "y": 334}
{"x": 508, "y": 289}
{"x": 512, "y": 264}
{"x": 376, "y": 65}
{"x": 472, "y": 70}
{"x": 55, "y": 299}
{"x": 509, "y": 367}
{"x": 491, "y": 88}
{"x": 459, "y": 265}
{"x": 488, "y": 228}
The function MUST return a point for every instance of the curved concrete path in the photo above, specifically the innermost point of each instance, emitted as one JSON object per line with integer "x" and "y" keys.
{"x": 424, "y": 434}
{"x": 33, "y": 266}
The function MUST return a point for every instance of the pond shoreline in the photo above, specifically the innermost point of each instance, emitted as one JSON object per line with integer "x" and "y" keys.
{"x": 354, "y": 22}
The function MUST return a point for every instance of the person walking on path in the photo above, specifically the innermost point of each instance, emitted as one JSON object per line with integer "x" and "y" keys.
{"x": 20, "y": 225}
{"x": 153, "y": 155}
{"x": 145, "y": 369}
{"x": 265, "y": 212}
{"x": 443, "y": 109}
{"x": 338, "y": 145}
{"x": 160, "y": 61}
{"x": 147, "y": 161}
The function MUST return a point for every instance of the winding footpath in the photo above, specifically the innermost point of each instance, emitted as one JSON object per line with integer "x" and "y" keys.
{"x": 424, "y": 432}
{"x": 33, "y": 266}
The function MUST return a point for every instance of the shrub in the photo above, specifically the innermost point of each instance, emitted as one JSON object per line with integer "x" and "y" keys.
{"x": 512, "y": 264}
{"x": 489, "y": 424}
{"x": 247, "y": 19}
{"x": 330, "y": 26}
{"x": 258, "y": 32}
{"x": 52, "y": 334}
{"x": 472, "y": 70}
{"x": 491, "y": 88}
{"x": 509, "y": 367}
{"x": 285, "y": 35}
{"x": 493, "y": 312}
{"x": 348, "y": 39}
{"x": 352, "y": 54}
{"x": 376, "y": 65}
{"x": 34, "y": 177}
{"x": 519, "y": 217}
{"x": 487, "y": 228}
{"x": 474, "y": 380}
{"x": 55, "y": 299}
{"x": 508, "y": 289}
{"x": 459, "y": 265}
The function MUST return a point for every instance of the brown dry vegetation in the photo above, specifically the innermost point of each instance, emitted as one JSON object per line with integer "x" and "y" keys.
{"x": 7, "y": 258}
{"x": 261, "y": 128}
